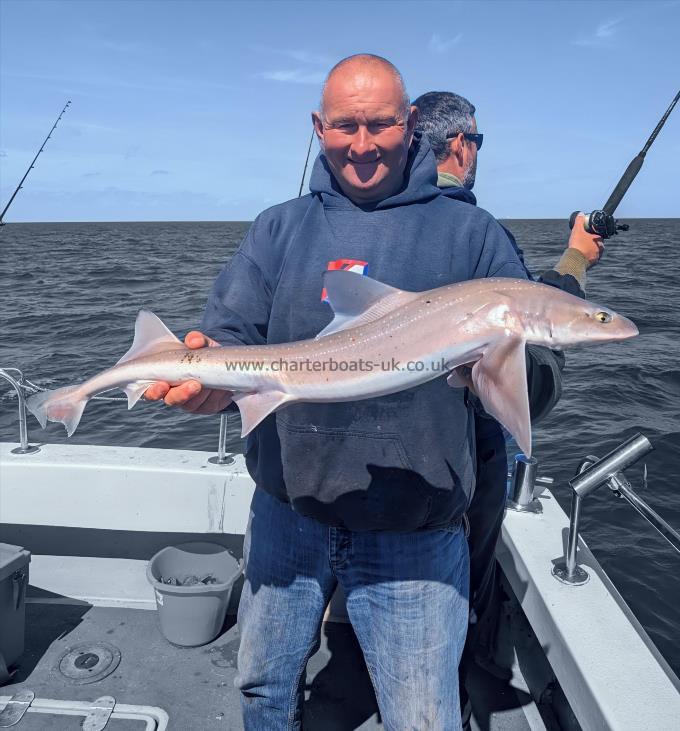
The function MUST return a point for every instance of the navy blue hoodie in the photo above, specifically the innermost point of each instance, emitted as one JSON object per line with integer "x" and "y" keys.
{"x": 565, "y": 282}
{"x": 400, "y": 462}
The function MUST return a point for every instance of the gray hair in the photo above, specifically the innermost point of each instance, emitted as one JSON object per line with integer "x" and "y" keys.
{"x": 442, "y": 114}
{"x": 370, "y": 59}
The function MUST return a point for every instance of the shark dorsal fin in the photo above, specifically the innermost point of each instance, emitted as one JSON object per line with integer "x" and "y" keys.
{"x": 356, "y": 299}
{"x": 151, "y": 336}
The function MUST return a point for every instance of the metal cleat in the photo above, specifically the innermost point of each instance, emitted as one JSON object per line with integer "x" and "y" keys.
{"x": 98, "y": 717}
{"x": 16, "y": 707}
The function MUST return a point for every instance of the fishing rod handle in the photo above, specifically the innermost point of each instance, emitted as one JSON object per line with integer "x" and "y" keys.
{"x": 622, "y": 186}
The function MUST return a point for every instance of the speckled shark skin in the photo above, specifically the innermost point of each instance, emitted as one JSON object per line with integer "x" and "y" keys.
{"x": 382, "y": 340}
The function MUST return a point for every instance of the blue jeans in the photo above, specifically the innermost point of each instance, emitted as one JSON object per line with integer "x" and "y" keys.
{"x": 407, "y": 599}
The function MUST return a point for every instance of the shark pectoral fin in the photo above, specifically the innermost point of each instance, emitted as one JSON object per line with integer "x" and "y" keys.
{"x": 134, "y": 391}
{"x": 500, "y": 381}
{"x": 255, "y": 407}
{"x": 456, "y": 380}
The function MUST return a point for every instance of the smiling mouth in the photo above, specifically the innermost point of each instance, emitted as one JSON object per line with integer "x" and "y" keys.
{"x": 363, "y": 162}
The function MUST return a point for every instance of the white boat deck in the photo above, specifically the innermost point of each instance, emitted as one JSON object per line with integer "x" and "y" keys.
{"x": 92, "y": 516}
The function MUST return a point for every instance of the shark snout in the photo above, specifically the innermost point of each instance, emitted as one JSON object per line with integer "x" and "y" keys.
{"x": 625, "y": 328}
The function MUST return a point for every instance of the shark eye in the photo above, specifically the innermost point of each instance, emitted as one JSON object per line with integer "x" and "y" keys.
{"x": 603, "y": 317}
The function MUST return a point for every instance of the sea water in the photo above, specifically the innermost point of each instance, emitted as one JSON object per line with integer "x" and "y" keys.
{"x": 70, "y": 293}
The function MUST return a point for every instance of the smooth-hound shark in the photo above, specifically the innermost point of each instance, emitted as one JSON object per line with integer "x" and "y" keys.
{"x": 382, "y": 340}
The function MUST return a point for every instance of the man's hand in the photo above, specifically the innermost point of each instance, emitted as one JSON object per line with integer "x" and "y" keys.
{"x": 190, "y": 395}
{"x": 590, "y": 245}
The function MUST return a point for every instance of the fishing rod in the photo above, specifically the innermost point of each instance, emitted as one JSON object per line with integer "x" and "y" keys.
{"x": 32, "y": 165}
{"x": 602, "y": 222}
{"x": 304, "y": 172}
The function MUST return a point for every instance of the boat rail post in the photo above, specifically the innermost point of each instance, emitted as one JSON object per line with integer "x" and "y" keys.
{"x": 591, "y": 474}
{"x": 572, "y": 573}
{"x": 222, "y": 457}
{"x": 25, "y": 447}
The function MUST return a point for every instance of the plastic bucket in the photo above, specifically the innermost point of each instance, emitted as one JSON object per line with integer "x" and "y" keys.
{"x": 192, "y": 614}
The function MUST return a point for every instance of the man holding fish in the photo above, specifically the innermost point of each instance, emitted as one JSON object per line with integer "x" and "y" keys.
{"x": 363, "y": 476}
{"x": 377, "y": 488}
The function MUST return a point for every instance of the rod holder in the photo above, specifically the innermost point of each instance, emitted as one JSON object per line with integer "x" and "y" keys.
{"x": 591, "y": 474}
{"x": 617, "y": 460}
{"x": 522, "y": 487}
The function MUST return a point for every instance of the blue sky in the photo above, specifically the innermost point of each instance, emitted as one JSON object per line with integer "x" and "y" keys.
{"x": 200, "y": 110}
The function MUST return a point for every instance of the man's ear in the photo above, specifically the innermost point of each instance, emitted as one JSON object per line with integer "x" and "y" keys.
{"x": 411, "y": 124}
{"x": 456, "y": 147}
{"x": 318, "y": 127}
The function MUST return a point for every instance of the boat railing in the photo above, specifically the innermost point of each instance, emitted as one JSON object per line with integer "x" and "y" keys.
{"x": 591, "y": 474}
{"x": 23, "y": 387}
{"x": 222, "y": 458}
{"x": 18, "y": 383}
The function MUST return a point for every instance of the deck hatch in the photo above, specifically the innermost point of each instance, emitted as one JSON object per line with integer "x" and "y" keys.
{"x": 89, "y": 662}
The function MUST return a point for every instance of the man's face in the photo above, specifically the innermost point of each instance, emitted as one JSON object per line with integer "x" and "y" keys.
{"x": 470, "y": 160}
{"x": 364, "y": 132}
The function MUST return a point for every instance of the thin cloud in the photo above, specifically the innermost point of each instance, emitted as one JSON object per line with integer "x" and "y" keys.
{"x": 307, "y": 57}
{"x": 602, "y": 35}
{"x": 441, "y": 45}
{"x": 160, "y": 172}
{"x": 296, "y": 54}
{"x": 3, "y": 153}
{"x": 294, "y": 76}
{"x": 158, "y": 84}
{"x": 84, "y": 127}
{"x": 91, "y": 175}
{"x": 123, "y": 47}
{"x": 312, "y": 70}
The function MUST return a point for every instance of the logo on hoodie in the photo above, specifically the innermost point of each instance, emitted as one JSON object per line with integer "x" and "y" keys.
{"x": 350, "y": 265}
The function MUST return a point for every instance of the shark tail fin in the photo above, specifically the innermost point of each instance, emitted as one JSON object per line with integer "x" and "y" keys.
{"x": 63, "y": 404}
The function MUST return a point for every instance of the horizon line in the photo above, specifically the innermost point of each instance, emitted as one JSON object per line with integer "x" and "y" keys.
{"x": 224, "y": 220}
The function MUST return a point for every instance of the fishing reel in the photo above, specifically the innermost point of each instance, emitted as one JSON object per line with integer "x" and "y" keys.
{"x": 599, "y": 222}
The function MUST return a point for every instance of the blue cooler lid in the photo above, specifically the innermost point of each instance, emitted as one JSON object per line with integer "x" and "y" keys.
{"x": 12, "y": 558}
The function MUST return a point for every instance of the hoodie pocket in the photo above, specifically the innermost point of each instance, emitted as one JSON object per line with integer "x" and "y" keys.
{"x": 337, "y": 445}
{"x": 359, "y": 479}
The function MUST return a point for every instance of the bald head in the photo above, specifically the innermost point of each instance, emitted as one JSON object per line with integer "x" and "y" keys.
{"x": 365, "y": 126}
{"x": 361, "y": 71}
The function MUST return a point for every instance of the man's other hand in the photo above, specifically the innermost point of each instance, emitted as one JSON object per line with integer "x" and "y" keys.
{"x": 190, "y": 395}
{"x": 590, "y": 245}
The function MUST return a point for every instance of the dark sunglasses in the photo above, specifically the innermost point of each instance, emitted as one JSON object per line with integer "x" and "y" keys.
{"x": 476, "y": 138}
